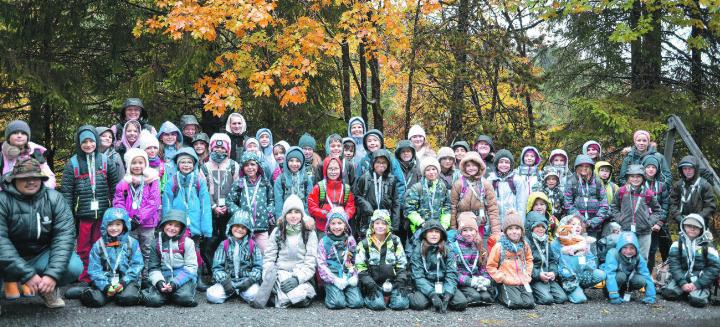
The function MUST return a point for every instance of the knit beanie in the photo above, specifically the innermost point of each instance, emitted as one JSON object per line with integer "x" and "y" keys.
{"x": 87, "y": 134}
{"x": 416, "y": 130}
{"x": 512, "y": 219}
{"x": 307, "y": 141}
{"x": 17, "y": 126}
{"x": 147, "y": 140}
{"x": 467, "y": 219}
{"x": 429, "y": 162}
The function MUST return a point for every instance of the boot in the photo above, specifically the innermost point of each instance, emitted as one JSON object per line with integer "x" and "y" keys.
{"x": 12, "y": 290}
{"x": 53, "y": 299}
{"x": 73, "y": 293}
{"x": 201, "y": 286}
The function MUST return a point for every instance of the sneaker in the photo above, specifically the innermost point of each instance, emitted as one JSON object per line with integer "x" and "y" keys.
{"x": 12, "y": 290}
{"x": 53, "y": 299}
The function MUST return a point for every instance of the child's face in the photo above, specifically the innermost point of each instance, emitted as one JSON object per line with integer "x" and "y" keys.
{"x": 584, "y": 170}
{"x": 336, "y": 149}
{"x": 333, "y": 170}
{"x": 459, "y": 153}
{"x": 604, "y": 173}
{"x": 431, "y": 173}
{"x": 190, "y": 131}
{"x": 514, "y": 233}
{"x": 169, "y": 138}
{"x": 337, "y": 227}
{"x": 137, "y": 165}
{"x": 380, "y": 165}
{"x": 293, "y": 217}
{"x": 635, "y": 180}
{"x": 558, "y": 161}
{"x": 417, "y": 141}
{"x": 264, "y": 140}
{"x": 88, "y": 146}
{"x": 356, "y": 130}
{"x": 551, "y": 182}
{"x": 18, "y": 139}
{"x": 152, "y": 151}
{"x": 106, "y": 139}
{"x": 641, "y": 143}
{"x": 406, "y": 155}
{"x": 483, "y": 148}
{"x": 236, "y": 125}
{"x": 250, "y": 168}
{"x": 186, "y": 165}
{"x": 373, "y": 143}
{"x": 433, "y": 236}
{"x": 691, "y": 231}
{"x": 503, "y": 165}
{"x": 219, "y": 149}
{"x": 628, "y": 251}
{"x": 349, "y": 152}
{"x": 172, "y": 228}
{"x": 252, "y": 147}
{"x": 115, "y": 228}
{"x": 468, "y": 233}
{"x": 294, "y": 164}
{"x": 471, "y": 168}
{"x": 200, "y": 147}
{"x": 592, "y": 152}
{"x": 238, "y": 231}
{"x": 308, "y": 152}
{"x": 131, "y": 133}
{"x": 576, "y": 225}
{"x": 132, "y": 113}
{"x": 650, "y": 171}
{"x": 447, "y": 163}
{"x": 279, "y": 154}
{"x": 529, "y": 158}
{"x": 379, "y": 227}
{"x": 540, "y": 206}
{"x": 539, "y": 230}
{"x": 688, "y": 172}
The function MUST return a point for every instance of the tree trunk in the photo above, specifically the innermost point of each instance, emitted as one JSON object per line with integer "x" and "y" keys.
{"x": 646, "y": 51}
{"x": 210, "y": 123}
{"x": 363, "y": 84}
{"x": 413, "y": 50}
{"x": 696, "y": 86}
{"x": 345, "y": 83}
{"x": 375, "y": 89}
{"x": 459, "y": 50}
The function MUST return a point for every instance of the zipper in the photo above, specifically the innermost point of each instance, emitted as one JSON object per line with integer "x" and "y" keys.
{"x": 39, "y": 228}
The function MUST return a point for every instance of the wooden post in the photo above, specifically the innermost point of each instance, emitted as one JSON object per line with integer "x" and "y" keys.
{"x": 676, "y": 124}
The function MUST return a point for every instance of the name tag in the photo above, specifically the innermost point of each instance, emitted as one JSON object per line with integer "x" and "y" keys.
{"x": 581, "y": 260}
{"x": 221, "y": 202}
{"x": 632, "y": 228}
{"x": 438, "y": 288}
{"x": 94, "y": 205}
{"x": 627, "y": 296}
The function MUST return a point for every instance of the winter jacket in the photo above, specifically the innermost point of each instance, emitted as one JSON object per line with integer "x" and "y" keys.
{"x": 237, "y": 260}
{"x": 478, "y": 196}
{"x": 557, "y": 200}
{"x": 335, "y": 257}
{"x": 115, "y": 159}
{"x": 102, "y": 262}
{"x": 293, "y": 255}
{"x": 146, "y": 213}
{"x": 706, "y": 263}
{"x": 261, "y": 205}
{"x": 507, "y": 187}
{"x": 616, "y": 262}
{"x": 288, "y": 183}
{"x": 169, "y": 151}
{"x": 661, "y": 192}
{"x": 370, "y": 188}
{"x": 385, "y": 261}
{"x": 434, "y": 267}
{"x": 534, "y": 196}
{"x": 76, "y": 184}
{"x": 692, "y": 196}
{"x": 570, "y": 265}
{"x": 636, "y": 158}
{"x": 562, "y": 171}
{"x": 411, "y": 170}
{"x": 530, "y": 176}
{"x": 469, "y": 259}
{"x": 544, "y": 260}
{"x": 167, "y": 262}
{"x": 190, "y": 194}
{"x": 636, "y": 207}
{"x": 335, "y": 195}
{"x": 610, "y": 187}
{"x": 510, "y": 263}
{"x": 426, "y": 201}
{"x": 449, "y": 177}
{"x": 30, "y": 225}
{"x": 586, "y": 198}
{"x": 267, "y": 152}
{"x": 360, "y": 151}
{"x": 365, "y": 165}
{"x": 34, "y": 150}
{"x": 220, "y": 179}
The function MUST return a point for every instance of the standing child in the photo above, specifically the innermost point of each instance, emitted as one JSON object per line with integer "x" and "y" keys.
{"x": 405, "y": 155}
{"x": 448, "y": 174}
{"x": 510, "y": 264}
{"x": 290, "y": 259}
{"x": 336, "y": 253}
{"x": 473, "y": 279}
{"x": 551, "y": 188}
{"x": 280, "y": 149}
{"x": 130, "y": 137}
{"x": 237, "y": 263}
{"x": 558, "y": 162}
{"x": 545, "y": 287}
{"x": 334, "y": 148}
{"x": 692, "y": 193}
{"x": 661, "y": 191}
{"x": 377, "y": 190}
{"x": 694, "y": 263}
{"x": 293, "y": 180}
{"x": 427, "y": 200}
{"x": 472, "y": 192}
{"x": 349, "y": 150}
{"x": 460, "y": 148}
{"x": 356, "y": 132}
{"x": 585, "y": 196}
{"x": 106, "y": 146}
{"x": 529, "y": 173}
{"x": 313, "y": 162}
{"x": 151, "y": 146}
{"x": 434, "y": 271}
{"x": 505, "y": 185}
{"x": 201, "y": 145}
{"x": 373, "y": 141}
{"x": 604, "y": 170}
{"x": 593, "y": 150}
{"x": 116, "y": 263}
{"x": 190, "y": 129}
{"x": 486, "y": 148}
{"x": 173, "y": 264}
{"x": 627, "y": 271}
{"x": 265, "y": 141}
{"x": 330, "y": 193}
{"x": 253, "y": 145}
{"x": 540, "y": 203}
{"x": 171, "y": 139}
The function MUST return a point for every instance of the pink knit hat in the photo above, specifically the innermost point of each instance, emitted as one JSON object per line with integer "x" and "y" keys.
{"x": 641, "y": 132}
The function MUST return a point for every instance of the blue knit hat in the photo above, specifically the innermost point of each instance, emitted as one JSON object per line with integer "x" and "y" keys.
{"x": 307, "y": 141}
{"x": 87, "y": 134}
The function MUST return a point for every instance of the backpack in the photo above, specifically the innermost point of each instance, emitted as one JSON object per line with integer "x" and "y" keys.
{"x": 323, "y": 193}
{"x": 226, "y": 246}
{"x": 648, "y": 195}
{"x": 465, "y": 186}
{"x": 510, "y": 181}
{"x": 383, "y": 251}
{"x": 206, "y": 172}
{"x": 76, "y": 167}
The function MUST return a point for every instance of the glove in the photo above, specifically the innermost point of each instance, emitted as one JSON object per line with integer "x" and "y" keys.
{"x": 228, "y": 287}
{"x": 368, "y": 286}
{"x": 648, "y": 300}
{"x": 174, "y": 286}
{"x": 159, "y": 285}
{"x": 109, "y": 290}
{"x": 445, "y": 302}
{"x": 616, "y": 300}
{"x": 474, "y": 282}
{"x": 353, "y": 281}
{"x": 340, "y": 283}
{"x": 245, "y": 284}
{"x": 289, "y": 284}
{"x": 119, "y": 288}
{"x": 436, "y": 302}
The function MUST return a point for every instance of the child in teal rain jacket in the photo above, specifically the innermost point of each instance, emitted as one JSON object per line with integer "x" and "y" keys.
{"x": 627, "y": 271}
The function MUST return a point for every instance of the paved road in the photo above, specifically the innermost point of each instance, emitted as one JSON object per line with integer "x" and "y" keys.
{"x": 31, "y": 312}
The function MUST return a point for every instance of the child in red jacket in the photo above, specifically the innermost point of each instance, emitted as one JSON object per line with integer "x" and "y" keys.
{"x": 330, "y": 193}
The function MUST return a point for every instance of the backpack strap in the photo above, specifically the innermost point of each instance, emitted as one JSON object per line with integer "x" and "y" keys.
{"x": 181, "y": 245}
{"x": 323, "y": 194}
{"x": 346, "y": 193}
{"x": 75, "y": 166}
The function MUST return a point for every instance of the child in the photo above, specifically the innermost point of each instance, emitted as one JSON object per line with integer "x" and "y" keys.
{"x": 428, "y": 199}
{"x": 106, "y": 146}
{"x": 373, "y": 141}
{"x": 330, "y": 193}
{"x": 293, "y": 180}
{"x": 627, "y": 271}
{"x": 376, "y": 190}
{"x": 544, "y": 285}
{"x": 612, "y": 232}
{"x": 291, "y": 256}
{"x": 473, "y": 279}
{"x": 636, "y": 209}
{"x": 593, "y": 150}
{"x": 236, "y": 128}
{"x": 505, "y": 185}
{"x": 434, "y": 271}
{"x": 585, "y": 196}
{"x": 356, "y": 132}
{"x": 171, "y": 139}
{"x": 551, "y": 188}
{"x": 139, "y": 194}
{"x": 237, "y": 263}
{"x": 265, "y": 142}
{"x": 405, "y": 155}
{"x": 313, "y": 162}
{"x": 448, "y": 174}
{"x": 380, "y": 263}
{"x": 529, "y": 173}
{"x": 661, "y": 191}
{"x": 132, "y": 109}
{"x": 280, "y": 149}
{"x": 336, "y": 252}
{"x": 692, "y": 193}
{"x": 540, "y": 203}
{"x": 173, "y": 264}
{"x": 604, "y": 170}
{"x": 253, "y": 193}
{"x": 577, "y": 265}
{"x": 151, "y": 146}
{"x": 641, "y": 149}
{"x": 510, "y": 264}
{"x": 116, "y": 263}
{"x": 485, "y": 147}
{"x": 190, "y": 129}
{"x": 471, "y": 192}
{"x": 88, "y": 182}
{"x": 349, "y": 151}
{"x": 558, "y": 162}
{"x": 460, "y": 148}
{"x": 334, "y": 148}
{"x": 130, "y": 137}
{"x": 694, "y": 263}
{"x": 417, "y": 136}
{"x": 201, "y": 144}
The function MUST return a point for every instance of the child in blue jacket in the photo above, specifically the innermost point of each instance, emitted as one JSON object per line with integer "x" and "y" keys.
{"x": 627, "y": 271}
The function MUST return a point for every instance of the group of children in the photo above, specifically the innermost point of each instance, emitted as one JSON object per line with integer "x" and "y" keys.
{"x": 365, "y": 227}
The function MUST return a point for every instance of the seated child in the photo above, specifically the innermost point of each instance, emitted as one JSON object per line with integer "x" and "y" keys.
{"x": 473, "y": 279}
{"x": 335, "y": 256}
{"x": 115, "y": 263}
{"x": 237, "y": 264}
{"x": 544, "y": 285}
{"x": 172, "y": 265}
{"x": 627, "y": 271}
{"x": 510, "y": 264}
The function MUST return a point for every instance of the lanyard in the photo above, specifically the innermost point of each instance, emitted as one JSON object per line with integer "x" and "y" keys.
{"x": 378, "y": 189}
{"x": 137, "y": 193}
{"x": 342, "y": 263}
{"x": 543, "y": 255}
{"x": 252, "y": 201}
{"x": 586, "y": 195}
{"x": 437, "y": 267}
{"x": 462, "y": 259}
{"x": 91, "y": 172}
{"x": 220, "y": 181}
{"x": 686, "y": 195}
{"x": 517, "y": 260}
{"x": 236, "y": 260}
{"x": 117, "y": 258}
{"x": 170, "y": 254}
{"x": 636, "y": 205}
{"x": 328, "y": 198}
{"x": 186, "y": 196}
{"x": 431, "y": 192}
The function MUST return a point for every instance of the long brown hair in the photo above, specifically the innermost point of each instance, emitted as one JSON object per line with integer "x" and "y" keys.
{"x": 440, "y": 245}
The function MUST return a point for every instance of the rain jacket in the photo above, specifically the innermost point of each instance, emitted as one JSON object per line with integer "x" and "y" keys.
{"x": 616, "y": 262}
{"x": 692, "y": 196}
{"x": 167, "y": 262}
{"x": 476, "y": 195}
{"x": 260, "y": 206}
{"x": 335, "y": 257}
{"x": 370, "y": 188}
{"x": 236, "y": 259}
{"x": 335, "y": 194}
{"x": 147, "y": 212}
{"x": 636, "y": 158}
{"x": 189, "y": 193}
{"x": 434, "y": 266}
{"x": 121, "y": 253}
{"x": 694, "y": 258}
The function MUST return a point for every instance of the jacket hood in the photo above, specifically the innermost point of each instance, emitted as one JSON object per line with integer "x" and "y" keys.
{"x": 133, "y": 102}
{"x": 380, "y": 214}
{"x": 651, "y": 160}
{"x": 434, "y": 224}
{"x": 248, "y": 156}
{"x": 356, "y": 120}
{"x": 525, "y": 150}
{"x": 539, "y": 195}
{"x": 268, "y": 149}
{"x": 240, "y": 217}
{"x": 461, "y": 144}
{"x": 187, "y": 152}
{"x": 124, "y": 140}
{"x": 377, "y": 133}
{"x": 174, "y": 215}
{"x": 330, "y": 138}
{"x": 297, "y": 153}
{"x": 472, "y": 156}
{"x": 588, "y": 144}
{"x": 327, "y": 162}
{"x": 625, "y": 239}
{"x": 487, "y": 139}
{"x": 385, "y": 154}
{"x": 504, "y": 153}
{"x": 147, "y": 140}
{"x": 113, "y": 214}
{"x": 559, "y": 152}
{"x": 706, "y": 234}
{"x": 99, "y": 130}
{"x": 600, "y": 164}
{"x": 338, "y": 213}
{"x": 689, "y": 160}
{"x": 235, "y": 115}
{"x": 201, "y": 137}
{"x": 534, "y": 219}
{"x": 168, "y": 127}
{"x": 404, "y": 144}
{"x": 189, "y": 120}
{"x": 583, "y": 159}
{"x": 81, "y": 130}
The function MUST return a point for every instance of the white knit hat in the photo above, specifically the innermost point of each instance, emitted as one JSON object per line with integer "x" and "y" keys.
{"x": 428, "y": 162}
{"x": 416, "y": 130}
{"x": 147, "y": 140}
